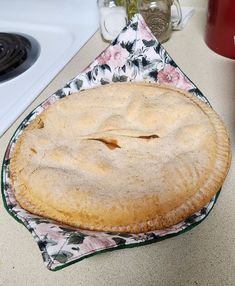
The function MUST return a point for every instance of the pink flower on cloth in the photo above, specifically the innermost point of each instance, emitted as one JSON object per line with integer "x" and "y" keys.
{"x": 91, "y": 244}
{"x": 171, "y": 75}
{"x": 51, "y": 99}
{"x": 144, "y": 31}
{"x": 46, "y": 229}
{"x": 114, "y": 55}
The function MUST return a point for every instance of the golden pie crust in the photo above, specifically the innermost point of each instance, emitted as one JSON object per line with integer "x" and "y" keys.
{"x": 124, "y": 157}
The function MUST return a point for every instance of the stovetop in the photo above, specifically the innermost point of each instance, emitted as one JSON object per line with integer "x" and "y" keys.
{"x": 17, "y": 54}
{"x": 61, "y": 28}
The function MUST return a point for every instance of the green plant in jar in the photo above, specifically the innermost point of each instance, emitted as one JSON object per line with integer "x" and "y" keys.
{"x": 131, "y": 7}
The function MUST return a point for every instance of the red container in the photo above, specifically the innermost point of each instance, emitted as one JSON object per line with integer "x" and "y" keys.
{"x": 220, "y": 27}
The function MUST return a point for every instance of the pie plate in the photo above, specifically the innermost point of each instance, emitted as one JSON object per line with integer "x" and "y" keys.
{"x": 135, "y": 55}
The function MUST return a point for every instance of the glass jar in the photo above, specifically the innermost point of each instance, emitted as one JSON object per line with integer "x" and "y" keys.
{"x": 113, "y": 18}
{"x": 157, "y": 15}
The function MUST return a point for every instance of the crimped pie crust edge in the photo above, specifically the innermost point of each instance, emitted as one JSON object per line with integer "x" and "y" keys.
{"x": 192, "y": 205}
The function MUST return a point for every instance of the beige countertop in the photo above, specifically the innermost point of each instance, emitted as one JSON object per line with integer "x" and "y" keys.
{"x": 203, "y": 256}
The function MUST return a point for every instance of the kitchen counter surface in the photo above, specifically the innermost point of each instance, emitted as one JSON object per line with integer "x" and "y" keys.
{"x": 203, "y": 256}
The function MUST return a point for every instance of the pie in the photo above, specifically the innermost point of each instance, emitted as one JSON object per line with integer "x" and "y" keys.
{"x": 124, "y": 157}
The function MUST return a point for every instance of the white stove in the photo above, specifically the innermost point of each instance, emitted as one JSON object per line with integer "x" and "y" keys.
{"x": 60, "y": 27}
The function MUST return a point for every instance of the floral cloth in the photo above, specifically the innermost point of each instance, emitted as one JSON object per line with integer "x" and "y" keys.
{"x": 135, "y": 55}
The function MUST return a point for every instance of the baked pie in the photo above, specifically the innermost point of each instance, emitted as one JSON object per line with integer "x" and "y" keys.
{"x": 124, "y": 157}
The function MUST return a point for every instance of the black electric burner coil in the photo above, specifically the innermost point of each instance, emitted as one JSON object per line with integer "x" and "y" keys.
{"x": 17, "y": 54}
